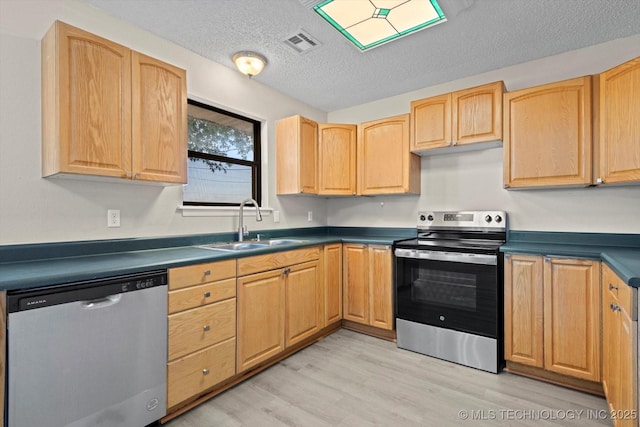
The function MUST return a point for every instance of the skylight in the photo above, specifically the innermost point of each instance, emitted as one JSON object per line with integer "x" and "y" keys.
{"x": 368, "y": 24}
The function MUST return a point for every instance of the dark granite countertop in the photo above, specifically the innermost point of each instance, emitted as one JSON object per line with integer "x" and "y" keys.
{"x": 621, "y": 252}
{"x": 28, "y": 266}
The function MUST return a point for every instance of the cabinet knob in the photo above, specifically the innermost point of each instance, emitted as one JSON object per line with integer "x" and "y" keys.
{"x": 614, "y": 307}
{"x": 128, "y": 174}
{"x": 136, "y": 176}
{"x": 206, "y": 328}
{"x": 205, "y": 371}
{"x": 286, "y": 271}
{"x": 507, "y": 256}
{"x": 207, "y": 294}
{"x": 547, "y": 259}
{"x": 207, "y": 272}
{"x": 454, "y": 143}
{"x": 611, "y": 287}
{"x": 600, "y": 181}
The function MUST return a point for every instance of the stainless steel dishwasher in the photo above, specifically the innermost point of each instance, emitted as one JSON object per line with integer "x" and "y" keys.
{"x": 88, "y": 354}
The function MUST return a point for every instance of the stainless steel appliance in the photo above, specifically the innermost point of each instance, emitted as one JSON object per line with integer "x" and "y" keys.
{"x": 448, "y": 288}
{"x": 88, "y": 354}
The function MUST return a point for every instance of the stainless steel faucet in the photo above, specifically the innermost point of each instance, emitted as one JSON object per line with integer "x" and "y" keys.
{"x": 242, "y": 229}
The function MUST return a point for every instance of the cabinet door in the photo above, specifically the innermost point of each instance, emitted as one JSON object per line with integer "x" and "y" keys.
{"x": 303, "y": 310}
{"x": 159, "y": 120}
{"x": 572, "y": 317}
{"x": 385, "y": 165}
{"x": 337, "y": 159}
{"x": 523, "y": 310}
{"x": 619, "y": 127}
{"x": 627, "y": 394}
{"x": 431, "y": 123}
{"x": 260, "y": 332}
{"x": 332, "y": 283}
{"x": 296, "y": 156}
{"x": 355, "y": 281}
{"x": 547, "y": 135}
{"x": 86, "y": 104}
{"x": 477, "y": 114}
{"x": 380, "y": 287}
{"x": 610, "y": 344}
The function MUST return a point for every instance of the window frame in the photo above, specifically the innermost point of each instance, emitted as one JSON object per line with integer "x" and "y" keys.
{"x": 255, "y": 164}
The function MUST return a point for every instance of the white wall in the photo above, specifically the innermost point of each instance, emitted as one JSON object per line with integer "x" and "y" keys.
{"x": 473, "y": 180}
{"x": 33, "y": 209}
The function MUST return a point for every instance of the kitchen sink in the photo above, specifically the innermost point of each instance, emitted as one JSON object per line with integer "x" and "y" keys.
{"x": 249, "y": 245}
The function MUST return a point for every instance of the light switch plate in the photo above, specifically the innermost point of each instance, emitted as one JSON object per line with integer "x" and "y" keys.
{"x": 276, "y": 216}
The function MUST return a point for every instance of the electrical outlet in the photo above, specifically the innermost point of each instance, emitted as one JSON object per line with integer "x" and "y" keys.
{"x": 310, "y": 216}
{"x": 276, "y": 216}
{"x": 113, "y": 218}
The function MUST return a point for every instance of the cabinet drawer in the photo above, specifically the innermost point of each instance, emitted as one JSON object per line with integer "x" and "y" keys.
{"x": 197, "y": 328}
{"x": 182, "y": 277}
{"x": 272, "y": 261}
{"x": 199, "y": 371}
{"x": 197, "y": 296}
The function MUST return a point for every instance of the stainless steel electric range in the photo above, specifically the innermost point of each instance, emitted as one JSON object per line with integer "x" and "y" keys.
{"x": 449, "y": 288}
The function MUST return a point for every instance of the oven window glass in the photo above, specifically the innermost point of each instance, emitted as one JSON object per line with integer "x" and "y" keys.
{"x": 446, "y": 288}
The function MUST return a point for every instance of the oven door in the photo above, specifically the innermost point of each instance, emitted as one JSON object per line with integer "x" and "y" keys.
{"x": 459, "y": 291}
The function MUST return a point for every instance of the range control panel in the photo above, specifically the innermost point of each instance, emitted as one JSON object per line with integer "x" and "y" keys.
{"x": 495, "y": 220}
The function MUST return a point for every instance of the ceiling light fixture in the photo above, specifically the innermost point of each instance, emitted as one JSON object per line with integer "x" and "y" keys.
{"x": 369, "y": 24}
{"x": 249, "y": 63}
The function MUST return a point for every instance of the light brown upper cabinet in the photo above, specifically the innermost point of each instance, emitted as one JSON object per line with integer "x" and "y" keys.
{"x": 110, "y": 111}
{"x": 464, "y": 117}
{"x": 337, "y": 159}
{"x": 547, "y": 135}
{"x": 296, "y": 156}
{"x": 617, "y": 128}
{"x": 385, "y": 164}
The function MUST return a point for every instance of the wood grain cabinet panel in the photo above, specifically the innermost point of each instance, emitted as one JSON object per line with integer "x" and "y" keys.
{"x": 523, "y": 310}
{"x": 201, "y": 327}
{"x": 367, "y": 282}
{"x": 159, "y": 107}
{"x": 337, "y": 159}
{"x": 552, "y": 316}
{"x": 356, "y": 283}
{"x": 468, "y": 116}
{"x": 296, "y": 156}
{"x": 260, "y": 318}
{"x": 620, "y": 349}
{"x": 572, "y": 317}
{"x": 547, "y": 135}
{"x": 384, "y": 163}
{"x": 199, "y": 371}
{"x": 303, "y": 308}
{"x": 618, "y": 135}
{"x": 110, "y": 111}
{"x": 332, "y": 283}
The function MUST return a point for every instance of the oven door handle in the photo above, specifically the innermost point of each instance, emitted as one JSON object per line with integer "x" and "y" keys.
{"x": 465, "y": 258}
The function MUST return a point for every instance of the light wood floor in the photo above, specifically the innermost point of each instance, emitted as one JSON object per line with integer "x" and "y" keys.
{"x": 350, "y": 379}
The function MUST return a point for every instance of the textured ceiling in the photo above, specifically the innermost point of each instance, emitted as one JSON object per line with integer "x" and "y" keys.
{"x": 479, "y": 36}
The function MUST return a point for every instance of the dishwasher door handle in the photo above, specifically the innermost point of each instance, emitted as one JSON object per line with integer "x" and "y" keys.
{"x": 101, "y": 302}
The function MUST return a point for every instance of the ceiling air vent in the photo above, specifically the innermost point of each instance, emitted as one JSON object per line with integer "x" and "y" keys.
{"x": 301, "y": 42}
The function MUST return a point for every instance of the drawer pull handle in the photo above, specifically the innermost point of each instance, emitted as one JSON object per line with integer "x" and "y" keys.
{"x": 207, "y": 294}
{"x": 611, "y": 287}
{"x": 205, "y": 371}
{"x": 206, "y": 328}
{"x": 207, "y": 272}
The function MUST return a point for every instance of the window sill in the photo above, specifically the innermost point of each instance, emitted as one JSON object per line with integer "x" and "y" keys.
{"x": 230, "y": 211}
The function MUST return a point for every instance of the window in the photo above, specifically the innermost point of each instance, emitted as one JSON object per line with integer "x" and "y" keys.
{"x": 224, "y": 157}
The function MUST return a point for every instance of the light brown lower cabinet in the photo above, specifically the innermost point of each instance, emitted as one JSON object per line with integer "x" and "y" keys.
{"x": 332, "y": 269}
{"x": 619, "y": 367}
{"x": 367, "y": 281}
{"x": 552, "y": 314}
{"x": 278, "y": 307}
{"x": 202, "y": 329}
